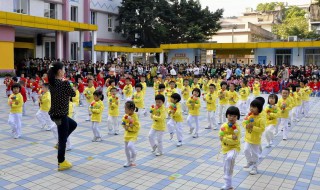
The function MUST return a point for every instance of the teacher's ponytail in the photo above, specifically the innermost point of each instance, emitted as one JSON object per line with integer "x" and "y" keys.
{"x": 53, "y": 71}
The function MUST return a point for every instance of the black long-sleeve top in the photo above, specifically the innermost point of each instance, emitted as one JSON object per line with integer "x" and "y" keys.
{"x": 60, "y": 97}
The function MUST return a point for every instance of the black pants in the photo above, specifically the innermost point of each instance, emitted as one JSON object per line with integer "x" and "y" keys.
{"x": 66, "y": 127}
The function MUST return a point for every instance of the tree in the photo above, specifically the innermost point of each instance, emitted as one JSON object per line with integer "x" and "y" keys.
{"x": 265, "y": 7}
{"x": 148, "y": 23}
{"x": 294, "y": 24}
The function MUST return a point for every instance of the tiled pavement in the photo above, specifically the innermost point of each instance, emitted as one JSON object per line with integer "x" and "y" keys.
{"x": 30, "y": 162}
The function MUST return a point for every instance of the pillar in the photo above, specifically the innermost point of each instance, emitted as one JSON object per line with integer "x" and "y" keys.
{"x": 144, "y": 58}
{"x": 161, "y": 58}
{"x": 86, "y": 19}
{"x": 7, "y": 38}
{"x": 94, "y": 42}
{"x": 116, "y": 55}
{"x": 80, "y": 54}
{"x": 130, "y": 57}
{"x": 59, "y": 45}
{"x": 105, "y": 57}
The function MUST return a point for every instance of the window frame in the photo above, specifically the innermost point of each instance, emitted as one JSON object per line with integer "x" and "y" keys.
{"x": 74, "y": 17}
{"x": 19, "y": 8}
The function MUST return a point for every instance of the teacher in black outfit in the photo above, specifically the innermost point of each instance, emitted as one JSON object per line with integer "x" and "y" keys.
{"x": 61, "y": 91}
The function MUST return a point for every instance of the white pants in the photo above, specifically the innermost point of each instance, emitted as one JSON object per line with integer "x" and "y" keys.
{"x": 142, "y": 111}
{"x": 269, "y": 133}
{"x": 175, "y": 126}
{"x": 153, "y": 134}
{"x": 75, "y": 111}
{"x": 184, "y": 106}
{"x": 305, "y": 107}
{"x": 128, "y": 98}
{"x": 54, "y": 130}
{"x": 28, "y": 93}
{"x": 130, "y": 151}
{"x": 222, "y": 113}
{"x": 252, "y": 153}
{"x": 89, "y": 112}
{"x": 96, "y": 129}
{"x": 113, "y": 124}
{"x": 228, "y": 164}
{"x": 298, "y": 111}
{"x": 24, "y": 109}
{"x": 44, "y": 118}
{"x": 284, "y": 125}
{"x": 243, "y": 106}
{"x": 196, "y": 120}
{"x": 34, "y": 96}
{"x": 211, "y": 115}
{"x": 15, "y": 123}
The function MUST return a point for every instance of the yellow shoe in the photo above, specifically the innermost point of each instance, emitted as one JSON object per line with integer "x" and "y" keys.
{"x": 56, "y": 146}
{"x": 65, "y": 165}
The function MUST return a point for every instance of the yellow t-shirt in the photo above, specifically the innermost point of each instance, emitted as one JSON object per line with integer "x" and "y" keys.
{"x": 194, "y": 109}
{"x": 259, "y": 125}
{"x": 71, "y": 111}
{"x": 131, "y": 134}
{"x": 227, "y": 142}
{"x": 176, "y": 114}
{"x": 256, "y": 89}
{"x": 159, "y": 119}
{"x": 138, "y": 99}
{"x": 306, "y": 91}
{"x": 223, "y": 97}
{"x": 88, "y": 93}
{"x": 233, "y": 97}
{"x": 144, "y": 89}
{"x": 97, "y": 109}
{"x": 169, "y": 92}
{"x": 113, "y": 105}
{"x": 272, "y": 114}
{"x": 210, "y": 99}
{"x": 186, "y": 92}
{"x": 12, "y": 100}
{"x": 128, "y": 91}
{"x": 45, "y": 102}
{"x": 193, "y": 86}
{"x": 285, "y": 107}
{"x": 76, "y": 99}
{"x": 244, "y": 93}
{"x": 179, "y": 83}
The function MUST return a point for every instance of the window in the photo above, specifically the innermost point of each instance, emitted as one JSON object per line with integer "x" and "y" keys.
{"x": 21, "y": 6}
{"x": 110, "y": 24}
{"x": 50, "y": 10}
{"x": 312, "y": 57}
{"x": 74, "y": 51}
{"x": 50, "y": 49}
{"x": 283, "y": 56}
{"x": 93, "y": 18}
{"x": 74, "y": 14}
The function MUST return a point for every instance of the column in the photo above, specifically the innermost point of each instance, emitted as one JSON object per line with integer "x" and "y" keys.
{"x": 7, "y": 39}
{"x": 116, "y": 55}
{"x": 161, "y": 58}
{"x": 130, "y": 57}
{"x": 105, "y": 57}
{"x": 59, "y": 45}
{"x": 80, "y": 54}
{"x": 144, "y": 58}
{"x": 94, "y": 42}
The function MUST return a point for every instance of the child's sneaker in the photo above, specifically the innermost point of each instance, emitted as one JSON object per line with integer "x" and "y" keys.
{"x": 268, "y": 146}
{"x": 248, "y": 165}
{"x": 179, "y": 144}
{"x": 99, "y": 139}
{"x": 110, "y": 133}
{"x": 65, "y": 165}
{"x": 154, "y": 148}
{"x": 94, "y": 139}
{"x": 56, "y": 146}
{"x": 226, "y": 188}
{"x": 88, "y": 119}
{"x": 209, "y": 127}
{"x": 171, "y": 136}
{"x": 48, "y": 128}
{"x": 215, "y": 128}
{"x": 68, "y": 148}
{"x": 127, "y": 164}
{"x": 254, "y": 171}
{"x": 158, "y": 153}
{"x": 195, "y": 135}
{"x": 191, "y": 130}
{"x": 43, "y": 126}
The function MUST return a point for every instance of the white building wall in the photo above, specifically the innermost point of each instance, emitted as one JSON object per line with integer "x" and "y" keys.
{"x": 36, "y": 8}
{"x": 297, "y": 56}
{"x": 269, "y": 52}
{"x": 227, "y": 38}
{"x": 6, "y": 5}
{"x": 102, "y": 22}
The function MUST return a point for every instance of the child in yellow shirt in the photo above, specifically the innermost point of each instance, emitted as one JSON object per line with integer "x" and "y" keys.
{"x": 194, "y": 105}
{"x": 96, "y": 108}
{"x": 161, "y": 90}
{"x": 138, "y": 99}
{"x": 298, "y": 96}
{"x": 284, "y": 105}
{"x": 158, "y": 127}
{"x": 232, "y": 95}
{"x": 254, "y": 125}
{"x": 195, "y": 83}
{"x": 271, "y": 112}
{"x": 210, "y": 99}
{"x": 230, "y": 136}
{"x": 15, "y": 101}
{"x": 131, "y": 125}
{"x": 45, "y": 104}
{"x": 144, "y": 85}
{"x": 175, "y": 123}
{"x": 185, "y": 92}
{"x": 112, "y": 84}
{"x": 306, "y": 91}
{"x": 88, "y": 93}
{"x": 76, "y": 99}
{"x": 256, "y": 87}
{"x": 223, "y": 101}
{"x": 128, "y": 89}
{"x": 244, "y": 93}
{"x": 113, "y": 112}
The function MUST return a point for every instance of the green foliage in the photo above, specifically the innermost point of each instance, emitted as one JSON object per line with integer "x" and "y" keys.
{"x": 265, "y": 7}
{"x": 166, "y": 21}
{"x": 294, "y": 24}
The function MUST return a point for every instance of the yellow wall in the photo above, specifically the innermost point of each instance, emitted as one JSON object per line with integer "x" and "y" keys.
{"x": 6, "y": 56}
